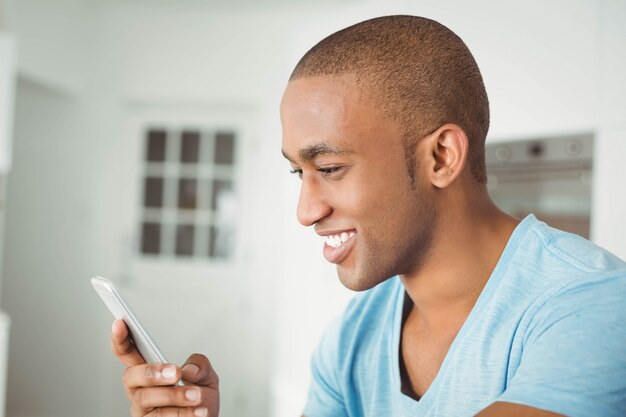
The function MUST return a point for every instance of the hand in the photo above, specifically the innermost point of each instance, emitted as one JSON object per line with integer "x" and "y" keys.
{"x": 151, "y": 389}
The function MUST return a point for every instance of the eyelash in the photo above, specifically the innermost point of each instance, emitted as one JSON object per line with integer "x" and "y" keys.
{"x": 296, "y": 171}
{"x": 324, "y": 171}
{"x": 329, "y": 171}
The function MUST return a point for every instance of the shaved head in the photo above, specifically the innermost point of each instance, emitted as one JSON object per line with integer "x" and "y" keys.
{"x": 417, "y": 71}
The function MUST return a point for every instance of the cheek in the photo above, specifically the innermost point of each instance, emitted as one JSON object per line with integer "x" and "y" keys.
{"x": 376, "y": 204}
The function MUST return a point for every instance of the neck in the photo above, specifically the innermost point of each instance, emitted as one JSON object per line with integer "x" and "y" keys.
{"x": 465, "y": 249}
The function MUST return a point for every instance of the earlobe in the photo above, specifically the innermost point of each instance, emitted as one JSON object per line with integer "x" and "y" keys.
{"x": 449, "y": 146}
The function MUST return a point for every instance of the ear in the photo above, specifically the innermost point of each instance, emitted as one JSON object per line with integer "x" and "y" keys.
{"x": 447, "y": 148}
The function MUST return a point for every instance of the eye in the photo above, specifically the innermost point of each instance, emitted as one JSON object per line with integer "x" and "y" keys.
{"x": 296, "y": 171}
{"x": 329, "y": 171}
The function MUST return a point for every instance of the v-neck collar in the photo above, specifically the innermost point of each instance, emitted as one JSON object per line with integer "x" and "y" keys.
{"x": 427, "y": 400}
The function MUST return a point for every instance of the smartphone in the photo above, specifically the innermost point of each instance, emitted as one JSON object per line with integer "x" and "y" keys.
{"x": 120, "y": 309}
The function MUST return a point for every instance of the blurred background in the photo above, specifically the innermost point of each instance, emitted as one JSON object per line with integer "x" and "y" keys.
{"x": 140, "y": 141}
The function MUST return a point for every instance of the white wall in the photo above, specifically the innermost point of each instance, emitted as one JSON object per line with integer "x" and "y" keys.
{"x": 7, "y": 100}
{"x": 49, "y": 234}
{"x": 8, "y": 74}
{"x": 49, "y": 237}
{"x": 53, "y": 40}
{"x": 609, "y": 201}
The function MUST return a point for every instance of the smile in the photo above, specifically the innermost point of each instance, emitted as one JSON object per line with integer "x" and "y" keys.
{"x": 337, "y": 246}
{"x": 339, "y": 239}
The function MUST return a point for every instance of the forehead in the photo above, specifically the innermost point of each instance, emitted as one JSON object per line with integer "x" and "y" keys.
{"x": 330, "y": 110}
{"x": 319, "y": 102}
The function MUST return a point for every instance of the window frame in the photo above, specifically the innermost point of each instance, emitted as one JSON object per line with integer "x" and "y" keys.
{"x": 207, "y": 175}
{"x": 216, "y": 117}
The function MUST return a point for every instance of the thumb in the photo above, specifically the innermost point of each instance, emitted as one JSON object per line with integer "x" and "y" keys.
{"x": 198, "y": 370}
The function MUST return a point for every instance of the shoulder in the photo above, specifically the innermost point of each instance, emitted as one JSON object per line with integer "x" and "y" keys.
{"x": 570, "y": 296}
{"x": 579, "y": 291}
{"x": 544, "y": 261}
{"x": 562, "y": 271}
{"x": 569, "y": 251}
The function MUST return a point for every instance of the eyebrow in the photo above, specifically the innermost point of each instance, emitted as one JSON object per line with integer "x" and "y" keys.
{"x": 311, "y": 152}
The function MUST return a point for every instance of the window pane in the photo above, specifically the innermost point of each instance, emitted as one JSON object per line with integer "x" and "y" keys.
{"x": 184, "y": 239}
{"x": 224, "y": 148}
{"x": 153, "y": 192}
{"x": 187, "y": 193}
{"x": 221, "y": 240}
{"x": 221, "y": 189}
{"x": 190, "y": 146}
{"x": 156, "y": 146}
{"x": 212, "y": 238}
{"x": 151, "y": 238}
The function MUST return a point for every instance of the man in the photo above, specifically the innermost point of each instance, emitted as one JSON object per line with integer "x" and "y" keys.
{"x": 465, "y": 310}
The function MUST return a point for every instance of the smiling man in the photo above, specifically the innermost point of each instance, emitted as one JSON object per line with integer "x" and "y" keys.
{"x": 464, "y": 310}
{"x": 467, "y": 310}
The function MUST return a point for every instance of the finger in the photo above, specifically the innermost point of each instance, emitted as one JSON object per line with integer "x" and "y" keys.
{"x": 148, "y": 398}
{"x": 178, "y": 412}
{"x": 198, "y": 370}
{"x": 155, "y": 375}
{"x": 122, "y": 346}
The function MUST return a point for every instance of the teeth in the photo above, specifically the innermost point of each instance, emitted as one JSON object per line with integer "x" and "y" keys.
{"x": 337, "y": 240}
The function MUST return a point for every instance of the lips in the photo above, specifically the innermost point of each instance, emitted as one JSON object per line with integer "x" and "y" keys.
{"x": 338, "y": 245}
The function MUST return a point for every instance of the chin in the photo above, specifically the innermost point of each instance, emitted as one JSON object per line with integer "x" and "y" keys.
{"x": 355, "y": 281}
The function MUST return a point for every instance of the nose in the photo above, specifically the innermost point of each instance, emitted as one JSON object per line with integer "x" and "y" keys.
{"x": 311, "y": 205}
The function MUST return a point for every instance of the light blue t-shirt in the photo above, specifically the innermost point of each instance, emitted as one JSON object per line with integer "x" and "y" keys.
{"x": 547, "y": 331}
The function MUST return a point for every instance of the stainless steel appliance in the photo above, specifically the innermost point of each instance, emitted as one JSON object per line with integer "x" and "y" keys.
{"x": 550, "y": 177}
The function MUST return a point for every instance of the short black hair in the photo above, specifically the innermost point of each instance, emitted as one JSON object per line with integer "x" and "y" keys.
{"x": 418, "y": 71}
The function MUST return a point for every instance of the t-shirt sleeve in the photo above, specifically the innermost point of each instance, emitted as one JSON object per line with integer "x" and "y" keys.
{"x": 574, "y": 353}
{"x": 325, "y": 398}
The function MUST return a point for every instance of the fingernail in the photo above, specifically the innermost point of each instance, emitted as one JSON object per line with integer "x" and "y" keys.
{"x": 201, "y": 412}
{"x": 191, "y": 368}
{"x": 168, "y": 372}
{"x": 192, "y": 394}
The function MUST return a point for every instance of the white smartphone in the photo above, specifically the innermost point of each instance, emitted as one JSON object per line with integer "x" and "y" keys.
{"x": 121, "y": 311}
